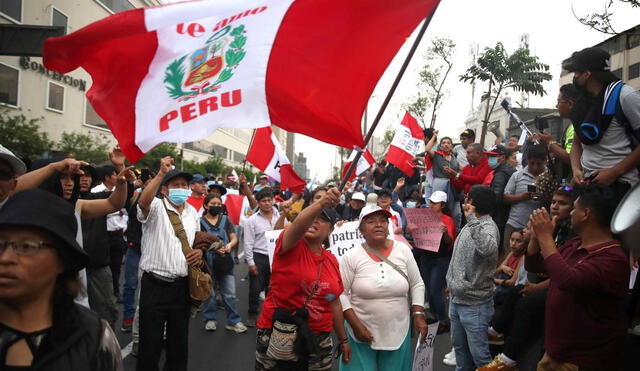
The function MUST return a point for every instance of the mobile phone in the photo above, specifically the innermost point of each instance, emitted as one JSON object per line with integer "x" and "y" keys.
{"x": 591, "y": 177}
{"x": 532, "y": 188}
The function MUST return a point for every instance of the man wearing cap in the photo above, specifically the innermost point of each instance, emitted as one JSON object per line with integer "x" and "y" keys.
{"x": 606, "y": 120}
{"x": 352, "y": 211}
{"x": 460, "y": 150}
{"x": 164, "y": 287}
{"x": 198, "y": 192}
{"x": 502, "y": 172}
{"x": 263, "y": 183}
{"x": 10, "y": 168}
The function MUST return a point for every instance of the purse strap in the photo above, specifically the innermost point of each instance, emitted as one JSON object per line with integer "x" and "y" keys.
{"x": 393, "y": 265}
{"x": 178, "y": 228}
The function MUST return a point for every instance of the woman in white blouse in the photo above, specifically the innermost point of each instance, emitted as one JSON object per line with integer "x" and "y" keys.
{"x": 376, "y": 297}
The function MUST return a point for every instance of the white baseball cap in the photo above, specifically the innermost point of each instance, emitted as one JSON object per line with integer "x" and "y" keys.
{"x": 372, "y": 199}
{"x": 373, "y": 209}
{"x": 358, "y": 196}
{"x": 438, "y": 196}
{"x": 16, "y": 164}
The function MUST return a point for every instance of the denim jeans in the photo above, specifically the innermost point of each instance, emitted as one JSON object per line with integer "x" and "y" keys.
{"x": 131, "y": 263}
{"x": 434, "y": 272}
{"x": 469, "y": 325}
{"x": 227, "y": 286}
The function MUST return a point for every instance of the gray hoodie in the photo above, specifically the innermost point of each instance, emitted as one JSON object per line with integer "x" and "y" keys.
{"x": 474, "y": 261}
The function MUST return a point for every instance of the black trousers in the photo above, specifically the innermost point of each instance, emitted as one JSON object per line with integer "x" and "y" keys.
{"x": 527, "y": 324}
{"x": 117, "y": 247}
{"x": 163, "y": 302}
{"x": 258, "y": 283}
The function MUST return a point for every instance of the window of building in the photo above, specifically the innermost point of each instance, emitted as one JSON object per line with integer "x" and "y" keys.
{"x": 618, "y": 73}
{"x": 59, "y": 19}
{"x": 238, "y": 157}
{"x": 634, "y": 71}
{"x": 91, "y": 117}
{"x": 633, "y": 41}
{"x": 9, "y": 82}
{"x": 11, "y": 9}
{"x": 55, "y": 96}
{"x": 115, "y": 6}
{"x": 220, "y": 151}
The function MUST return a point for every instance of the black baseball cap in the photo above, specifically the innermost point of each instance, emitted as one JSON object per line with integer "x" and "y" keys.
{"x": 221, "y": 189}
{"x": 174, "y": 174}
{"x": 497, "y": 150}
{"x": 48, "y": 212}
{"x": 592, "y": 59}
{"x": 330, "y": 215}
{"x": 468, "y": 133}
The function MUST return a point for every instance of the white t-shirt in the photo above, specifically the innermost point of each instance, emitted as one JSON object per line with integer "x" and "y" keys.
{"x": 378, "y": 294}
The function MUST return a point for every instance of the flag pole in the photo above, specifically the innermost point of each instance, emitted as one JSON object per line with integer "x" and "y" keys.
{"x": 386, "y": 101}
{"x": 244, "y": 163}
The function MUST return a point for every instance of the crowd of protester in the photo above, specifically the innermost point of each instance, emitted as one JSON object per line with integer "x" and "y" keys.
{"x": 527, "y": 261}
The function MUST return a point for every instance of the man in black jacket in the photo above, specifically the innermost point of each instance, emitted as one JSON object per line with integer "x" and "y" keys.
{"x": 502, "y": 171}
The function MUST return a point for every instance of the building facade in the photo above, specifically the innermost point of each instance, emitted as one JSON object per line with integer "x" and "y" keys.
{"x": 27, "y": 86}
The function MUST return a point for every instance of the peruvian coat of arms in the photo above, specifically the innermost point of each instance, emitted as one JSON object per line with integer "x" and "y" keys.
{"x": 205, "y": 69}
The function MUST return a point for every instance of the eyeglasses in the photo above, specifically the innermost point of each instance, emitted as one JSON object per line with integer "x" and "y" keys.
{"x": 6, "y": 175}
{"x": 24, "y": 248}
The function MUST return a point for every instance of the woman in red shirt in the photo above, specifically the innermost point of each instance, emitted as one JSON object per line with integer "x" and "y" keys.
{"x": 305, "y": 274}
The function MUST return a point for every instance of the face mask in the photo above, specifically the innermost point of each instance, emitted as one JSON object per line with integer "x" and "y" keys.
{"x": 219, "y": 182}
{"x": 214, "y": 210}
{"x": 178, "y": 196}
{"x": 493, "y": 162}
{"x": 210, "y": 183}
{"x": 411, "y": 205}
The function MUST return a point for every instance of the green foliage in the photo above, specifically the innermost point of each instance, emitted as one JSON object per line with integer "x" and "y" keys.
{"x": 92, "y": 149}
{"x": 434, "y": 73}
{"x": 601, "y": 21}
{"x": 22, "y": 136}
{"x": 388, "y": 136}
{"x": 152, "y": 159}
{"x": 519, "y": 71}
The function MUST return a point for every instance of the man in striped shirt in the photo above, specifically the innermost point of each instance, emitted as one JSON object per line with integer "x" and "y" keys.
{"x": 164, "y": 287}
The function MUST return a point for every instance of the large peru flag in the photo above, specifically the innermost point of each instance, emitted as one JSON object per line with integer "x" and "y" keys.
{"x": 267, "y": 155}
{"x": 406, "y": 144}
{"x": 178, "y": 72}
{"x": 364, "y": 164}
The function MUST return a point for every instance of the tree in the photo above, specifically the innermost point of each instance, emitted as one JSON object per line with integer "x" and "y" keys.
{"x": 389, "y": 133}
{"x": 151, "y": 160}
{"x": 601, "y": 21}
{"x": 22, "y": 136}
{"x": 92, "y": 149}
{"x": 519, "y": 71}
{"x": 430, "y": 94}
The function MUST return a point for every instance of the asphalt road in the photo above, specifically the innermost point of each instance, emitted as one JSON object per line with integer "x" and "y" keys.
{"x": 228, "y": 351}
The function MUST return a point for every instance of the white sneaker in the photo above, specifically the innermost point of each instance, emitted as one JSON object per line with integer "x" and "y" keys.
{"x": 210, "y": 325}
{"x": 239, "y": 328}
{"x": 450, "y": 359}
{"x": 635, "y": 331}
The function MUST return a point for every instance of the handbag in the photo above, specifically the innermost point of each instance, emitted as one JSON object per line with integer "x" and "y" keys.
{"x": 200, "y": 285}
{"x": 291, "y": 338}
{"x": 222, "y": 262}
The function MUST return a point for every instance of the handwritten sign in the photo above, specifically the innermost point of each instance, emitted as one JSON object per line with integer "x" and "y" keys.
{"x": 272, "y": 237}
{"x": 344, "y": 238}
{"x": 425, "y": 228}
{"x": 423, "y": 356}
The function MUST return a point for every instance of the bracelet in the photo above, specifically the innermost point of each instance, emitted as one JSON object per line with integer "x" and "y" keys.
{"x": 417, "y": 313}
{"x": 344, "y": 341}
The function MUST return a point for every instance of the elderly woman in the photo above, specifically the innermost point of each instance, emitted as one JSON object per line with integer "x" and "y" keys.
{"x": 40, "y": 325}
{"x": 383, "y": 295}
{"x": 302, "y": 306}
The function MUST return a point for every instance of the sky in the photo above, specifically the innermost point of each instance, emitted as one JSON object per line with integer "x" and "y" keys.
{"x": 554, "y": 34}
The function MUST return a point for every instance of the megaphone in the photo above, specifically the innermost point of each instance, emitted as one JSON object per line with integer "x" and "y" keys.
{"x": 626, "y": 220}
{"x": 494, "y": 127}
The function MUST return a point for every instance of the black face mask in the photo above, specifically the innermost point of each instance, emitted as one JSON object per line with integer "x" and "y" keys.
{"x": 215, "y": 210}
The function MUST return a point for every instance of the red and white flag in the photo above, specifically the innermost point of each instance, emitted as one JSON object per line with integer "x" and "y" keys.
{"x": 234, "y": 205}
{"x": 267, "y": 155}
{"x": 406, "y": 144}
{"x": 364, "y": 164}
{"x": 178, "y": 72}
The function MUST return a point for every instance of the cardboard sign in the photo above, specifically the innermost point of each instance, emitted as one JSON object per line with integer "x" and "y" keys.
{"x": 272, "y": 237}
{"x": 425, "y": 228}
{"x": 423, "y": 356}
{"x": 344, "y": 238}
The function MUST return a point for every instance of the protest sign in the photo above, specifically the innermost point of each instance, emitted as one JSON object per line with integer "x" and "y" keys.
{"x": 423, "y": 356}
{"x": 272, "y": 237}
{"x": 425, "y": 228}
{"x": 344, "y": 238}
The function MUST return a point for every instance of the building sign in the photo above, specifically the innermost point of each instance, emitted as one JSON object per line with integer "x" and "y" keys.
{"x": 27, "y": 64}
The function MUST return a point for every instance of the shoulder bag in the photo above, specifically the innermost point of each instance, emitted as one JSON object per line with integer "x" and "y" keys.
{"x": 200, "y": 285}
{"x": 291, "y": 338}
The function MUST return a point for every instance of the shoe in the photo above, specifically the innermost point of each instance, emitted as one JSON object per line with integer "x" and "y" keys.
{"x": 251, "y": 322}
{"x": 134, "y": 349}
{"x": 210, "y": 325}
{"x": 635, "y": 330}
{"x": 496, "y": 339}
{"x": 443, "y": 327}
{"x": 127, "y": 325}
{"x": 450, "y": 359}
{"x": 236, "y": 260}
{"x": 239, "y": 328}
{"x": 497, "y": 365}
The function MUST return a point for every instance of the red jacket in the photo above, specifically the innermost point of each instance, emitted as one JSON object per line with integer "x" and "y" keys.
{"x": 472, "y": 175}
